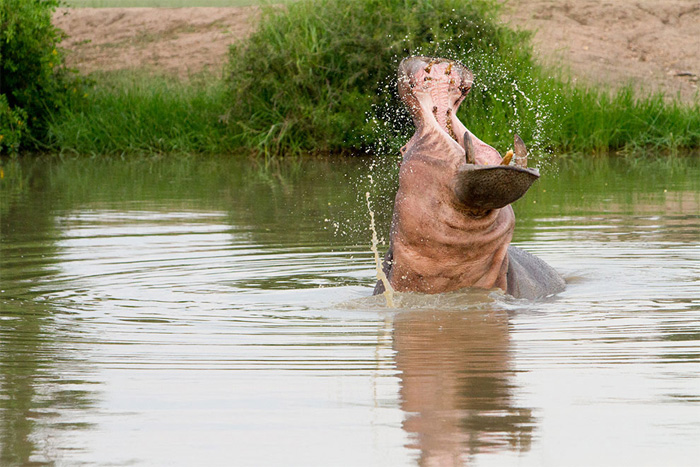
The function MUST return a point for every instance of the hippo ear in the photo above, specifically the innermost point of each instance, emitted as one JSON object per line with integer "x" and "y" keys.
{"x": 485, "y": 187}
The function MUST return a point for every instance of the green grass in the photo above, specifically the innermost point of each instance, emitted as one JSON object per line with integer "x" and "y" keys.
{"x": 598, "y": 120}
{"x": 135, "y": 113}
{"x": 319, "y": 77}
{"x": 159, "y": 3}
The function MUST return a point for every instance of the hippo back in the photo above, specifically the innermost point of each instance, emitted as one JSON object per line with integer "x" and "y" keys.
{"x": 530, "y": 277}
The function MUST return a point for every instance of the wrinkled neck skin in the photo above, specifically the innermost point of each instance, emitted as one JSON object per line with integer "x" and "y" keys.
{"x": 438, "y": 243}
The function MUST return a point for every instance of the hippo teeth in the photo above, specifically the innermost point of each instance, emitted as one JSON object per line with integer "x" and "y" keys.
{"x": 469, "y": 148}
{"x": 518, "y": 155}
{"x": 520, "y": 152}
{"x": 430, "y": 65}
{"x": 438, "y": 84}
{"x": 507, "y": 158}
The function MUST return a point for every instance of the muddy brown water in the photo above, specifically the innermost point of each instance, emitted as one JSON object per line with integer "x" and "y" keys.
{"x": 213, "y": 312}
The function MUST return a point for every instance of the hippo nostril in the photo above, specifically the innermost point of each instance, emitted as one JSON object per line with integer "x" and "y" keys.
{"x": 435, "y": 109}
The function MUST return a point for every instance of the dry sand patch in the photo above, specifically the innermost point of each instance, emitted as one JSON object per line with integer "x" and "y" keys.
{"x": 178, "y": 41}
{"x": 654, "y": 44}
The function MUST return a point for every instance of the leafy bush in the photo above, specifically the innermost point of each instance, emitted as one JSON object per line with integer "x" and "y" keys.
{"x": 13, "y": 126}
{"x": 319, "y": 75}
{"x": 33, "y": 80}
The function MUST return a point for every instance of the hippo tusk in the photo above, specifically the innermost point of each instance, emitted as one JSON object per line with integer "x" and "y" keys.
{"x": 520, "y": 152}
{"x": 507, "y": 158}
{"x": 430, "y": 65}
{"x": 469, "y": 148}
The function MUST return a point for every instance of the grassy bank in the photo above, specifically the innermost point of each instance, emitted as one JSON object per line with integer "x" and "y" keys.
{"x": 597, "y": 120}
{"x": 136, "y": 113}
{"x": 158, "y": 3}
{"x": 319, "y": 77}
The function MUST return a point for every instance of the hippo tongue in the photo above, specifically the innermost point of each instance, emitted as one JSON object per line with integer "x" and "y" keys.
{"x": 485, "y": 187}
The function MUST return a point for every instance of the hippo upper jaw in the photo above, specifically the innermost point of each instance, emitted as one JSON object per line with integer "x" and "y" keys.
{"x": 433, "y": 89}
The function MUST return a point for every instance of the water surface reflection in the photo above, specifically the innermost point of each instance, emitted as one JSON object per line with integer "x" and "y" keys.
{"x": 208, "y": 312}
{"x": 457, "y": 385}
{"x": 43, "y": 380}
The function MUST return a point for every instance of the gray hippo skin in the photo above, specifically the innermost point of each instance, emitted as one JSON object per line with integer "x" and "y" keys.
{"x": 452, "y": 222}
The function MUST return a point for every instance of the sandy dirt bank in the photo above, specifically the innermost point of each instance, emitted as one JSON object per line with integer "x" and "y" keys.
{"x": 179, "y": 41}
{"x": 654, "y": 44}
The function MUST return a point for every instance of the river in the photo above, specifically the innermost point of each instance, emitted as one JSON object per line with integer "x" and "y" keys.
{"x": 215, "y": 311}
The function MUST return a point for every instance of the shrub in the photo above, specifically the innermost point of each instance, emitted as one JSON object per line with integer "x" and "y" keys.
{"x": 319, "y": 75}
{"x": 13, "y": 126}
{"x": 33, "y": 80}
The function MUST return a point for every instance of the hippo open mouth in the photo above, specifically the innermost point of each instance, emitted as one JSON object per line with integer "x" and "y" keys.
{"x": 433, "y": 89}
{"x": 452, "y": 222}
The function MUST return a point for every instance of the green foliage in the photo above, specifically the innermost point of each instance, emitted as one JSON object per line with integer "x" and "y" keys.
{"x": 315, "y": 70}
{"x": 601, "y": 121}
{"x": 134, "y": 113}
{"x": 158, "y": 3}
{"x": 33, "y": 80}
{"x": 319, "y": 76}
{"x": 13, "y": 126}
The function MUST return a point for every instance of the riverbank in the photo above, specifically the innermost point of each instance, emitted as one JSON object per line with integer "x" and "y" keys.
{"x": 175, "y": 80}
{"x": 652, "y": 44}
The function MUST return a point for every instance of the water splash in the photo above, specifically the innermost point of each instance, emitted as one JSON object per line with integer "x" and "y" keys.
{"x": 388, "y": 290}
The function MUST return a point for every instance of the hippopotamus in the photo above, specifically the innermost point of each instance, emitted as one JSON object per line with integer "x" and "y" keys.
{"x": 453, "y": 222}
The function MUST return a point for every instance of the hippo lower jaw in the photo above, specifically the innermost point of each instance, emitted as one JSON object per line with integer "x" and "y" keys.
{"x": 485, "y": 187}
